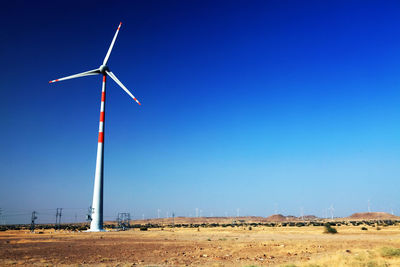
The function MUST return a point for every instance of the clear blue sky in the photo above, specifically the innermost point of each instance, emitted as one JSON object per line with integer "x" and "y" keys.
{"x": 259, "y": 105}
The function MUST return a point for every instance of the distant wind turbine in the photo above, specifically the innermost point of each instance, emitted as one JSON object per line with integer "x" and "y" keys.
{"x": 331, "y": 210}
{"x": 96, "y": 224}
{"x": 276, "y": 208}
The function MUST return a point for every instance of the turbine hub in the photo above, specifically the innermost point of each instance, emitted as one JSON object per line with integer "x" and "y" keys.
{"x": 103, "y": 69}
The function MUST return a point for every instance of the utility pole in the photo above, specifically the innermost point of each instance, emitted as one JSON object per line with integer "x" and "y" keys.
{"x": 34, "y": 217}
{"x": 56, "y": 224}
{"x": 58, "y": 219}
{"x": 123, "y": 220}
{"x": 89, "y": 214}
{"x": 173, "y": 220}
{"x": 2, "y": 217}
{"x": 302, "y": 213}
{"x": 158, "y": 213}
{"x": 197, "y": 212}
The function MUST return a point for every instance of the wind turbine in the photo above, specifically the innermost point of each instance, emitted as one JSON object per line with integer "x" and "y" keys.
{"x": 331, "y": 210}
{"x": 96, "y": 224}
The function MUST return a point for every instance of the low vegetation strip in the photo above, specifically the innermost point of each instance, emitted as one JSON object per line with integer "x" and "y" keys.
{"x": 390, "y": 252}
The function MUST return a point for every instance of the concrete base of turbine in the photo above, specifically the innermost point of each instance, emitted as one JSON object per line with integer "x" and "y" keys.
{"x": 95, "y": 230}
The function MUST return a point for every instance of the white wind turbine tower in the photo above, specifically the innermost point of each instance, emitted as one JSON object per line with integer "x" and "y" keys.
{"x": 331, "y": 210}
{"x": 96, "y": 224}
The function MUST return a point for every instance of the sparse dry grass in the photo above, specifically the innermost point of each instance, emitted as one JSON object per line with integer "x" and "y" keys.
{"x": 390, "y": 252}
{"x": 360, "y": 258}
{"x": 238, "y": 246}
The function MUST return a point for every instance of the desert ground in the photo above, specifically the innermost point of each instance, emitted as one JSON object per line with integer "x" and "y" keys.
{"x": 217, "y": 246}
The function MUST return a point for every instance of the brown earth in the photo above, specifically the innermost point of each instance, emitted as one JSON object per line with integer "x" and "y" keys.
{"x": 282, "y": 218}
{"x": 372, "y": 216}
{"x": 219, "y": 246}
{"x": 224, "y": 220}
{"x": 258, "y": 219}
{"x": 276, "y": 218}
{"x": 201, "y": 220}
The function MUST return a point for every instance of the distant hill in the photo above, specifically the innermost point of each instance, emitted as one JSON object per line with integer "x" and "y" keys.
{"x": 276, "y": 218}
{"x": 372, "y": 216}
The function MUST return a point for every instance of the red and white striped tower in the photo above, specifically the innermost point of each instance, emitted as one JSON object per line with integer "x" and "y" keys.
{"x": 97, "y": 204}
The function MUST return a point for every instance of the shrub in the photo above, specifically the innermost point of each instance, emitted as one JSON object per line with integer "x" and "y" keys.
{"x": 329, "y": 229}
{"x": 364, "y": 228}
{"x": 390, "y": 252}
{"x": 83, "y": 228}
{"x": 373, "y": 264}
{"x": 143, "y": 228}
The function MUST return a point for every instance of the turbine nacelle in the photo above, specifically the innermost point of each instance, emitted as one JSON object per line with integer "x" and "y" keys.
{"x": 103, "y": 69}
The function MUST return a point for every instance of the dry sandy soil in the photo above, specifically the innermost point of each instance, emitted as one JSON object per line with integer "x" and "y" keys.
{"x": 368, "y": 216}
{"x": 238, "y": 246}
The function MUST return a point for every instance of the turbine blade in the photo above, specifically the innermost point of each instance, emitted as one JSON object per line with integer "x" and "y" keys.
{"x": 112, "y": 76}
{"x": 82, "y": 74}
{"x": 112, "y": 45}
